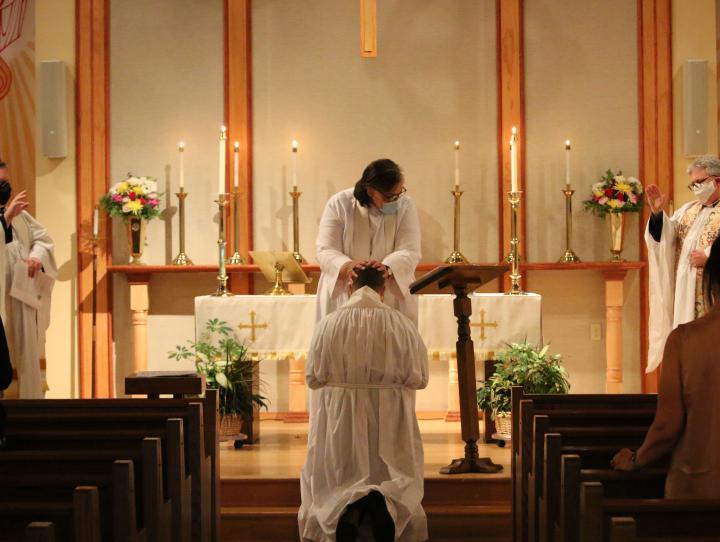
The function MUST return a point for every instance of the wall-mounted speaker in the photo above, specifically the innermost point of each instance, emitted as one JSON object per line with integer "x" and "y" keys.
{"x": 695, "y": 107}
{"x": 53, "y": 109}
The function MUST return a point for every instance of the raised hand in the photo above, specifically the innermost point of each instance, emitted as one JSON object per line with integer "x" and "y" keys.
{"x": 16, "y": 206}
{"x": 655, "y": 198}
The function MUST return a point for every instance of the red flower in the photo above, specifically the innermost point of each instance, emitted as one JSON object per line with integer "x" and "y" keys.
{"x": 132, "y": 196}
{"x": 142, "y": 200}
{"x": 621, "y": 196}
{"x": 609, "y": 192}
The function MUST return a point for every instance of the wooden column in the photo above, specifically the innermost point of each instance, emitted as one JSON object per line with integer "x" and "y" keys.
{"x": 139, "y": 307}
{"x": 511, "y": 112}
{"x": 91, "y": 37}
{"x": 614, "y": 302}
{"x": 297, "y": 412}
{"x": 656, "y": 131}
{"x": 238, "y": 112}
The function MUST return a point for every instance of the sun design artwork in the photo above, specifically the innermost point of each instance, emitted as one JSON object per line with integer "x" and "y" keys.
{"x": 12, "y": 15}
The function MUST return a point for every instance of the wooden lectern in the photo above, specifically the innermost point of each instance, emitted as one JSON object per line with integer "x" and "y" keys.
{"x": 462, "y": 280}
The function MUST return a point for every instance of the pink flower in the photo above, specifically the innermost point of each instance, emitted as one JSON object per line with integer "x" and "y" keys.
{"x": 603, "y": 200}
{"x": 632, "y": 198}
{"x": 117, "y": 198}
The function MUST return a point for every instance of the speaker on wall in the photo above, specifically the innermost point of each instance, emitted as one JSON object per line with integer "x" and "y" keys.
{"x": 53, "y": 109}
{"x": 695, "y": 107}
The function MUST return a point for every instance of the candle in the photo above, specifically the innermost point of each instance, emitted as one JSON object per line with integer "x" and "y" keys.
{"x": 457, "y": 166}
{"x": 513, "y": 161}
{"x": 181, "y": 150}
{"x": 567, "y": 164}
{"x": 221, "y": 160}
{"x": 96, "y": 222}
{"x": 236, "y": 165}
{"x": 294, "y": 165}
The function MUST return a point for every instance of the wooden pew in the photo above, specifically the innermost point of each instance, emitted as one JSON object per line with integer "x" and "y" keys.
{"x": 129, "y": 418}
{"x": 653, "y": 517}
{"x": 624, "y": 529}
{"x": 40, "y": 531}
{"x": 572, "y": 409}
{"x": 86, "y": 519}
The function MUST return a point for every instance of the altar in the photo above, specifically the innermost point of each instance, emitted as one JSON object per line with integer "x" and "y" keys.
{"x": 280, "y": 328}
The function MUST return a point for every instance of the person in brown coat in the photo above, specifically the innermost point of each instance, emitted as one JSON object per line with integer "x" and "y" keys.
{"x": 687, "y": 421}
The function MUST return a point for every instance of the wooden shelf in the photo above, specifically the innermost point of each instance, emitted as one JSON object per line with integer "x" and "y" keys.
{"x": 144, "y": 270}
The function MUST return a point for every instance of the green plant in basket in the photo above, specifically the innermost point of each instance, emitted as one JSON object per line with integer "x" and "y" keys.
{"x": 525, "y": 365}
{"x": 227, "y": 367}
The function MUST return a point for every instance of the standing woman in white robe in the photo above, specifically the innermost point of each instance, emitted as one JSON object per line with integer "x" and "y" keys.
{"x": 374, "y": 223}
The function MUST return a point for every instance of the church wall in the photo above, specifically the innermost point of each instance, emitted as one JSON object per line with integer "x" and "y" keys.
{"x": 693, "y": 38}
{"x": 580, "y": 84}
{"x": 166, "y": 86}
{"x": 433, "y": 82}
{"x": 55, "y": 201}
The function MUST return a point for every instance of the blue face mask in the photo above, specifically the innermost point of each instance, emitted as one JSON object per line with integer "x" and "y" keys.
{"x": 390, "y": 208}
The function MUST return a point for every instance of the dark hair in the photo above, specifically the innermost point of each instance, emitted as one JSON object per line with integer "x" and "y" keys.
{"x": 711, "y": 275}
{"x": 369, "y": 276}
{"x": 5, "y": 192}
{"x": 2, "y": 164}
{"x": 382, "y": 175}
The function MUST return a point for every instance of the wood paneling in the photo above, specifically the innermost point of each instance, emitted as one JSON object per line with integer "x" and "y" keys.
{"x": 238, "y": 112}
{"x": 91, "y": 181}
{"x": 511, "y": 112}
{"x": 656, "y": 130}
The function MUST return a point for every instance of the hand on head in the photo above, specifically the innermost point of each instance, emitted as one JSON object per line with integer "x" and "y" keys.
{"x": 16, "y": 206}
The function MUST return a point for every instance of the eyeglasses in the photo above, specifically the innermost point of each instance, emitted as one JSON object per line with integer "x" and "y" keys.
{"x": 697, "y": 183}
{"x": 393, "y": 197}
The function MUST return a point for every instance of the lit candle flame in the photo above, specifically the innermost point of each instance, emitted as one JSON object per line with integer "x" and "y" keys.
{"x": 223, "y": 132}
{"x": 567, "y": 144}
{"x": 294, "y": 146}
{"x": 237, "y": 146}
{"x": 457, "y": 145}
{"x": 181, "y": 146}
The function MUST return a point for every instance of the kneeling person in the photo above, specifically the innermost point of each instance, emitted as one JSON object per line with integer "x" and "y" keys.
{"x": 363, "y": 477}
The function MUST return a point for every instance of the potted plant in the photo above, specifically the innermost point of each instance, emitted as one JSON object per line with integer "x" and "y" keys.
{"x": 615, "y": 195}
{"x": 135, "y": 200}
{"x": 227, "y": 367}
{"x": 520, "y": 364}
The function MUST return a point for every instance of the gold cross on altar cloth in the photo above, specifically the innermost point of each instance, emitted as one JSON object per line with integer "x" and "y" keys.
{"x": 252, "y": 326}
{"x": 483, "y": 324}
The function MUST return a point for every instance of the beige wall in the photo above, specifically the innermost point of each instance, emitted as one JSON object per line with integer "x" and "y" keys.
{"x": 56, "y": 197}
{"x": 694, "y": 37}
{"x": 580, "y": 84}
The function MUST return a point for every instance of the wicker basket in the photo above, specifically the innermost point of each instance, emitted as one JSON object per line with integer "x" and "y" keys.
{"x": 231, "y": 426}
{"x": 503, "y": 424}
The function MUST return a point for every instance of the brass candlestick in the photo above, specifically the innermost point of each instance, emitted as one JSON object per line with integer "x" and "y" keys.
{"x": 182, "y": 258}
{"x": 236, "y": 258}
{"x": 296, "y": 227}
{"x": 222, "y": 278}
{"x": 279, "y": 287}
{"x": 456, "y": 257}
{"x": 514, "y": 256}
{"x": 569, "y": 256}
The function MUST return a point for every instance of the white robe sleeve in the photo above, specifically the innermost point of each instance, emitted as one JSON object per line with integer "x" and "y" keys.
{"x": 329, "y": 245}
{"x": 417, "y": 370}
{"x": 662, "y": 264}
{"x": 42, "y": 246}
{"x": 406, "y": 256}
{"x": 316, "y": 371}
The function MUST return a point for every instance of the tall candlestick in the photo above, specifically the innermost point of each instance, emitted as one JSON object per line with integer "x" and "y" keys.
{"x": 567, "y": 164}
{"x": 96, "y": 222}
{"x": 221, "y": 160}
{"x": 236, "y": 165}
{"x": 294, "y": 165}
{"x": 513, "y": 161}
{"x": 181, "y": 150}
{"x": 457, "y": 166}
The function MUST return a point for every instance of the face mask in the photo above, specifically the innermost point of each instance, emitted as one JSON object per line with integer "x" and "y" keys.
{"x": 5, "y": 191}
{"x": 705, "y": 191}
{"x": 390, "y": 208}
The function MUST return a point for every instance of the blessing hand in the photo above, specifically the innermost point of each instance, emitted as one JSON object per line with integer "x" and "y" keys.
{"x": 380, "y": 267}
{"x": 16, "y": 206}
{"x": 655, "y": 198}
{"x": 347, "y": 271}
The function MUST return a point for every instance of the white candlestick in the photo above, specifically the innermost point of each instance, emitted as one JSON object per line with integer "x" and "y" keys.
{"x": 236, "y": 165}
{"x": 181, "y": 150}
{"x": 221, "y": 161}
{"x": 567, "y": 163}
{"x": 96, "y": 222}
{"x": 513, "y": 161}
{"x": 457, "y": 166}
{"x": 294, "y": 166}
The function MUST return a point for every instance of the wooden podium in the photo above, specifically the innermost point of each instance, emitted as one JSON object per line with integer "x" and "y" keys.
{"x": 462, "y": 280}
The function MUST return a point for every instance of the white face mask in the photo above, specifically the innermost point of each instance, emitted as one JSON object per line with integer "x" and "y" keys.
{"x": 705, "y": 191}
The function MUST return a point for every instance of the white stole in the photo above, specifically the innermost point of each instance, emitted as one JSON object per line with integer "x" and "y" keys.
{"x": 362, "y": 248}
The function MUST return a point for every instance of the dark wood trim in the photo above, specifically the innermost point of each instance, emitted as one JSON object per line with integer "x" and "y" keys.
{"x": 511, "y": 112}
{"x": 238, "y": 113}
{"x": 656, "y": 132}
{"x": 92, "y": 127}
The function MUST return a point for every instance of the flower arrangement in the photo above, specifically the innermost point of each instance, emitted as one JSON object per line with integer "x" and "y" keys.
{"x": 615, "y": 193}
{"x": 227, "y": 367}
{"x": 135, "y": 197}
{"x": 521, "y": 364}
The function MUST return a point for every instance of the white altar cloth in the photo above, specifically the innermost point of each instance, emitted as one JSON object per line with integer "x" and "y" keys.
{"x": 283, "y": 325}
